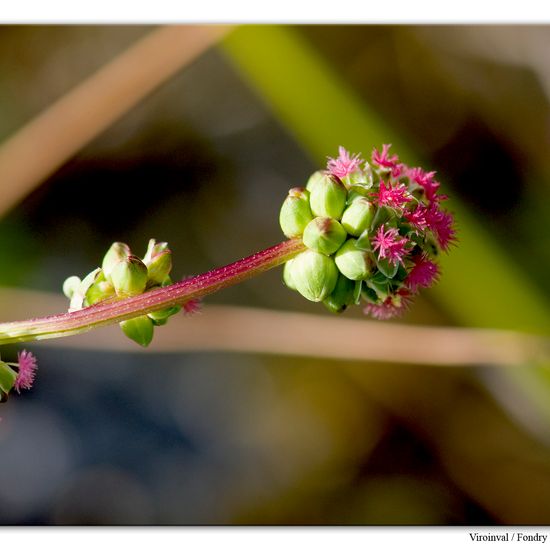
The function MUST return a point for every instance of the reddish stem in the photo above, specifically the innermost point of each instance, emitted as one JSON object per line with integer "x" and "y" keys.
{"x": 106, "y": 313}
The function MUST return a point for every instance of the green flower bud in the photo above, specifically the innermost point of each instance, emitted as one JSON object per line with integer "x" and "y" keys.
{"x": 7, "y": 378}
{"x": 353, "y": 262}
{"x": 129, "y": 276}
{"x": 115, "y": 254}
{"x": 100, "y": 290}
{"x": 139, "y": 329}
{"x": 154, "y": 249}
{"x": 71, "y": 285}
{"x": 161, "y": 317}
{"x": 287, "y": 275}
{"x": 314, "y": 275}
{"x": 158, "y": 260}
{"x": 328, "y": 197}
{"x": 358, "y": 216}
{"x": 342, "y": 296}
{"x": 314, "y": 179}
{"x": 324, "y": 235}
{"x": 79, "y": 292}
{"x": 295, "y": 212}
{"x": 355, "y": 192}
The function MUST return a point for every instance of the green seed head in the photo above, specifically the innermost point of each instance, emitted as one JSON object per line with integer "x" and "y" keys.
{"x": 342, "y": 296}
{"x": 327, "y": 197}
{"x": 358, "y": 216}
{"x": 115, "y": 254}
{"x": 324, "y": 235}
{"x": 295, "y": 212}
{"x": 352, "y": 262}
{"x": 139, "y": 329}
{"x": 129, "y": 276}
{"x": 314, "y": 275}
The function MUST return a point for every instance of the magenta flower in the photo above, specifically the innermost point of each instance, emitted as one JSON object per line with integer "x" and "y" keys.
{"x": 427, "y": 182}
{"x": 423, "y": 274}
{"x": 345, "y": 164}
{"x": 395, "y": 196}
{"x": 392, "y": 306}
{"x": 417, "y": 218}
{"x": 27, "y": 370}
{"x": 441, "y": 223}
{"x": 389, "y": 245}
{"x": 383, "y": 160}
{"x": 192, "y": 306}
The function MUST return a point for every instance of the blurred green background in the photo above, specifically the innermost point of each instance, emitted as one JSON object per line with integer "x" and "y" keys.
{"x": 204, "y": 163}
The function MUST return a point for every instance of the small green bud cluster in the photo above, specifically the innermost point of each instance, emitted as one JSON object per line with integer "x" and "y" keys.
{"x": 121, "y": 275}
{"x": 372, "y": 231}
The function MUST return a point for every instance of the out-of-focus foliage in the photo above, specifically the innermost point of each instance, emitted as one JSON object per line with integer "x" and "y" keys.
{"x": 204, "y": 163}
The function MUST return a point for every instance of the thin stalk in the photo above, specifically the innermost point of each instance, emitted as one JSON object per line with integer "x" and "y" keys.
{"x": 106, "y": 313}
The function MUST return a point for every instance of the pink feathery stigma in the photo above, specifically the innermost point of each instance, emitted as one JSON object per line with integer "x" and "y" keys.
{"x": 192, "y": 306}
{"x": 441, "y": 223}
{"x": 345, "y": 164}
{"x": 417, "y": 217}
{"x": 383, "y": 160}
{"x": 27, "y": 370}
{"x": 427, "y": 182}
{"x": 392, "y": 306}
{"x": 423, "y": 274}
{"x": 389, "y": 245}
{"x": 396, "y": 196}
{"x": 398, "y": 170}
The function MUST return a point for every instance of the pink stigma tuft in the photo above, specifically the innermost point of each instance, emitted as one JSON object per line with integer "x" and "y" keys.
{"x": 441, "y": 223}
{"x": 423, "y": 274}
{"x": 383, "y": 160}
{"x": 389, "y": 245}
{"x": 427, "y": 182}
{"x": 345, "y": 164}
{"x": 27, "y": 370}
{"x": 192, "y": 306}
{"x": 393, "y": 306}
{"x": 396, "y": 196}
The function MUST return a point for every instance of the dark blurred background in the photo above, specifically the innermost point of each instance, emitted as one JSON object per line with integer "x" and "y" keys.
{"x": 204, "y": 163}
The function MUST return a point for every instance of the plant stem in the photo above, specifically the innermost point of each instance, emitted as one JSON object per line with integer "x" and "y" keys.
{"x": 106, "y": 313}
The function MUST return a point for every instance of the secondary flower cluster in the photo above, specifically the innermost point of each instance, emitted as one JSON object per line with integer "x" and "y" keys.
{"x": 121, "y": 275}
{"x": 373, "y": 232}
{"x": 18, "y": 376}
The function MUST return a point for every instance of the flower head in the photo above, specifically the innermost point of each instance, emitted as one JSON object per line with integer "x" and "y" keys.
{"x": 423, "y": 274}
{"x": 27, "y": 370}
{"x": 390, "y": 245}
{"x": 344, "y": 164}
{"x": 391, "y": 230}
